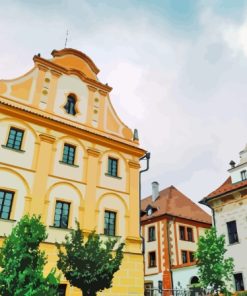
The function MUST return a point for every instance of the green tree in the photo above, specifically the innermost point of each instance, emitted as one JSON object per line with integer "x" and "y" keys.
{"x": 90, "y": 265}
{"x": 22, "y": 263}
{"x": 215, "y": 271}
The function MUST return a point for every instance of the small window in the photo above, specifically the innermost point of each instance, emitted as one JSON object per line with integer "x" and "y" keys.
{"x": 151, "y": 234}
{"x": 191, "y": 256}
{"x": 15, "y": 138}
{"x": 62, "y": 289}
{"x": 184, "y": 257}
{"x": 232, "y": 232}
{"x": 6, "y": 198}
{"x": 110, "y": 223}
{"x": 182, "y": 232}
{"x": 112, "y": 167}
{"x": 160, "y": 286}
{"x": 70, "y": 105}
{"x": 239, "y": 283}
{"x": 190, "y": 234}
{"x": 61, "y": 214}
{"x": 152, "y": 259}
{"x": 243, "y": 175}
{"x": 69, "y": 154}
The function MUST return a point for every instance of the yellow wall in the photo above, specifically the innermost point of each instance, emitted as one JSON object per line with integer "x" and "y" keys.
{"x": 39, "y": 179}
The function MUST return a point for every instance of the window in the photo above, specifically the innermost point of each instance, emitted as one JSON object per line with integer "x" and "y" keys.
{"x": 70, "y": 105}
{"x": 232, "y": 232}
{"x": 186, "y": 233}
{"x": 110, "y": 222}
{"x": 243, "y": 175}
{"x": 112, "y": 167}
{"x": 6, "y": 198}
{"x": 182, "y": 232}
{"x": 61, "y": 214}
{"x": 151, "y": 234}
{"x": 239, "y": 283}
{"x": 190, "y": 234}
{"x": 62, "y": 289}
{"x": 184, "y": 257}
{"x": 152, "y": 259}
{"x": 68, "y": 154}
{"x": 148, "y": 289}
{"x": 160, "y": 286}
{"x": 191, "y": 256}
{"x": 15, "y": 138}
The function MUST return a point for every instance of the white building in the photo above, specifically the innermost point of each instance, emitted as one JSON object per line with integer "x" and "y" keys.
{"x": 229, "y": 205}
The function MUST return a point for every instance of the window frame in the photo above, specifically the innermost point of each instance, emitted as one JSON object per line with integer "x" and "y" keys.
{"x": 186, "y": 254}
{"x": 16, "y": 129}
{"x": 67, "y": 105}
{"x": 232, "y": 235}
{"x": 106, "y": 229}
{"x": 242, "y": 281}
{"x": 3, "y": 205}
{"x": 151, "y": 234}
{"x": 110, "y": 169}
{"x": 243, "y": 174}
{"x": 61, "y": 214}
{"x": 154, "y": 262}
{"x": 66, "y": 161}
{"x": 185, "y": 237}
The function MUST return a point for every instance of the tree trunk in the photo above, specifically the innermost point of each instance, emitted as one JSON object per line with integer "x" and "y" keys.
{"x": 88, "y": 293}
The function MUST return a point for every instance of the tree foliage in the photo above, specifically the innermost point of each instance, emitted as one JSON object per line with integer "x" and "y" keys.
{"x": 22, "y": 263}
{"x": 90, "y": 265}
{"x": 214, "y": 270}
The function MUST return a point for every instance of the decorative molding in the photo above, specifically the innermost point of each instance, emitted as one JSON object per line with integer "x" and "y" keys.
{"x": 79, "y": 54}
{"x": 45, "y": 64}
{"x": 93, "y": 152}
{"x": 134, "y": 164}
{"x": 56, "y": 73}
{"x": 47, "y": 138}
{"x": 93, "y": 89}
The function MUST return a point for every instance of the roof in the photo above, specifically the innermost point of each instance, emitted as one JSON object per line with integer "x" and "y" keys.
{"x": 173, "y": 202}
{"x": 226, "y": 187}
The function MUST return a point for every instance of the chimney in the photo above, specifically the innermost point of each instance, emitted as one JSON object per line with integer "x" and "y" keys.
{"x": 155, "y": 190}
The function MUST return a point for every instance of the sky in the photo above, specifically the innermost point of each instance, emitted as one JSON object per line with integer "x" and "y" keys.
{"x": 178, "y": 69}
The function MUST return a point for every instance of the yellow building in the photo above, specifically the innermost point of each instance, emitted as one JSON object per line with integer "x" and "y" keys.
{"x": 66, "y": 155}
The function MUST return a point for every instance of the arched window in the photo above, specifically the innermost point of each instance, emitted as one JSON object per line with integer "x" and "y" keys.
{"x": 70, "y": 105}
{"x": 194, "y": 280}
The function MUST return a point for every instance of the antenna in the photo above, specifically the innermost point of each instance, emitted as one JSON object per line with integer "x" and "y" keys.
{"x": 66, "y": 39}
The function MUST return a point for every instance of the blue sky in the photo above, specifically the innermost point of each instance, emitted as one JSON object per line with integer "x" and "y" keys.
{"x": 177, "y": 68}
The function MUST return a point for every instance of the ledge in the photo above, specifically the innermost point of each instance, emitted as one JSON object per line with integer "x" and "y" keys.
{"x": 116, "y": 177}
{"x": 13, "y": 149}
{"x": 72, "y": 165}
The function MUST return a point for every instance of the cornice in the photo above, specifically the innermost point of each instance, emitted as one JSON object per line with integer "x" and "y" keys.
{"x": 93, "y": 152}
{"x": 134, "y": 164}
{"x": 48, "y": 65}
{"x": 45, "y": 119}
{"x": 47, "y": 138}
{"x": 79, "y": 54}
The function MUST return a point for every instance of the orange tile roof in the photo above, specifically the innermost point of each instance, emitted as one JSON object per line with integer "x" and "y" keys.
{"x": 227, "y": 186}
{"x": 173, "y": 202}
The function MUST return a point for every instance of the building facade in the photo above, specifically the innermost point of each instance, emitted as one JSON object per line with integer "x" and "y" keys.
{"x": 171, "y": 225}
{"x": 229, "y": 205}
{"x": 66, "y": 155}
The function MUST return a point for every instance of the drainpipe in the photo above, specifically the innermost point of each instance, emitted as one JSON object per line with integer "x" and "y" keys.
{"x": 146, "y": 156}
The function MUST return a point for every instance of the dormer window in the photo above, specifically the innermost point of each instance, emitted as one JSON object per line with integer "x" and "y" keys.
{"x": 243, "y": 175}
{"x": 70, "y": 105}
{"x": 150, "y": 211}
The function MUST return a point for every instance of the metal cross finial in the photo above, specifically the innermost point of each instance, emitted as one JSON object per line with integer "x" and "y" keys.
{"x": 66, "y": 39}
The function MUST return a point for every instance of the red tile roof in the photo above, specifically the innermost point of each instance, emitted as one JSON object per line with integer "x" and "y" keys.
{"x": 227, "y": 186}
{"x": 173, "y": 202}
